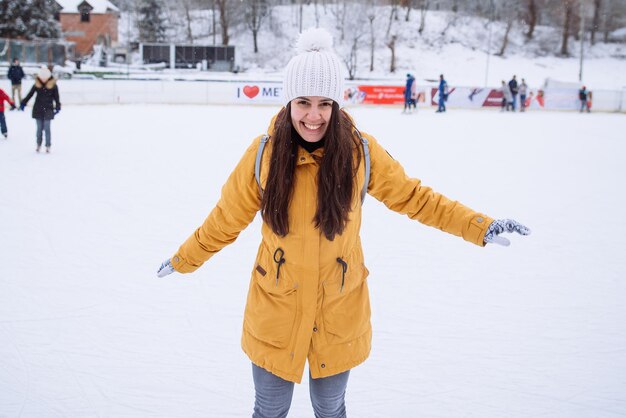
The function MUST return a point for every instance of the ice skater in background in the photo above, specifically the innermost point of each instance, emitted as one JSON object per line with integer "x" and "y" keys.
{"x": 523, "y": 91}
{"x": 3, "y": 123}
{"x": 514, "y": 90}
{"x": 47, "y": 104}
{"x": 507, "y": 97}
{"x": 409, "y": 93}
{"x": 585, "y": 97}
{"x": 308, "y": 297}
{"x": 414, "y": 96}
{"x": 443, "y": 94}
{"x": 16, "y": 74}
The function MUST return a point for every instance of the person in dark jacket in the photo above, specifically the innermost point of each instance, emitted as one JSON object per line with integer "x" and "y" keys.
{"x": 3, "y": 124}
{"x": 514, "y": 91}
{"x": 584, "y": 97}
{"x": 15, "y": 74}
{"x": 47, "y": 104}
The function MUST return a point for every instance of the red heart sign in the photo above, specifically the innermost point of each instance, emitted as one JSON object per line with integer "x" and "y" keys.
{"x": 251, "y": 91}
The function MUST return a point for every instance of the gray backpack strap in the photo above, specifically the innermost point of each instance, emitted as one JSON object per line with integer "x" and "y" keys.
{"x": 257, "y": 163}
{"x": 366, "y": 156}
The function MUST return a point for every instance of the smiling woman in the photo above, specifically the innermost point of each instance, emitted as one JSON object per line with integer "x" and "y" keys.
{"x": 310, "y": 116}
{"x": 308, "y": 298}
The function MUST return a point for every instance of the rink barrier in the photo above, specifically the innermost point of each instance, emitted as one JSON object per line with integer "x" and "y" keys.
{"x": 92, "y": 92}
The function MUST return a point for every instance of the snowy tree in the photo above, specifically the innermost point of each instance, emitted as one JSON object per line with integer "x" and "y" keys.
{"x": 408, "y": 4}
{"x": 509, "y": 11}
{"x": 595, "y": 23}
{"x": 531, "y": 17}
{"x": 150, "y": 21}
{"x": 300, "y": 15}
{"x": 227, "y": 11}
{"x": 608, "y": 15}
{"x": 393, "y": 15}
{"x": 424, "y": 5}
{"x": 13, "y": 14}
{"x": 209, "y": 9}
{"x": 371, "y": 17}
{"x": 338, "y": 10}
{"x": 187, "y": 7}
{"x": 391, "y": 35}
{"x": 391, "y": 44}
{"x": 256, "y": 10}
{"x": 41, "y": 22}
{"x": 317, "y": 14}
{"x": 355, "y": 28}
{"x": 567, "y": 11}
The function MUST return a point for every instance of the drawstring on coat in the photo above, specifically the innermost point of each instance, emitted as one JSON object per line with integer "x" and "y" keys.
{"x": 344, "y": 267}
{"x": 281, "y": 260}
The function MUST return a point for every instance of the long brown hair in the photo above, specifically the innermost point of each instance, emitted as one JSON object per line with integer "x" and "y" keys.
{"x": 335, "y": 178}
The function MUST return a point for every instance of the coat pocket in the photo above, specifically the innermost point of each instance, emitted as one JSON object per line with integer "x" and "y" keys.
{"x": 347, "y": 311}
{"x": 271, "y": 306}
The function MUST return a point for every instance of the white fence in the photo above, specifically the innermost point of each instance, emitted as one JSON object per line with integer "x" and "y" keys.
{"x": 269, "y": 92}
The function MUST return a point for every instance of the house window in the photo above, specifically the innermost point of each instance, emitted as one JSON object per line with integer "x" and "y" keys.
{"x": 84, "y": 15}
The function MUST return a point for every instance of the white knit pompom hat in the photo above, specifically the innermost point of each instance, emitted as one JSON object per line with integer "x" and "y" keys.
{"x": 316, "y": 70}
{"x": 44, "y": 73}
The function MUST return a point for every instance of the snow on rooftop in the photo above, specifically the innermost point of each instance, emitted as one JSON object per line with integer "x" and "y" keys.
{"x": 99, "y": 6}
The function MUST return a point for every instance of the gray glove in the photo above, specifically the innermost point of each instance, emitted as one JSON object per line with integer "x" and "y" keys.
{"x": 504, "y": 225}
{"x": 165, "y": 269}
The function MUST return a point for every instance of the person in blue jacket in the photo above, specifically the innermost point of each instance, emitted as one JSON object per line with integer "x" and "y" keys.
{"x": 408, "y": 93}
{"x": 443, "y": 94}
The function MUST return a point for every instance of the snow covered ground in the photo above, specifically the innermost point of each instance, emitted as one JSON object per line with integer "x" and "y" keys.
{"x": 532, "y": 330}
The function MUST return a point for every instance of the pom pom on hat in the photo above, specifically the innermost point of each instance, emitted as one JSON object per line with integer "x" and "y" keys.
{"x": 315, "y": 39}
{"x": 44, "y": 73}
{"x": 316, "y": 70}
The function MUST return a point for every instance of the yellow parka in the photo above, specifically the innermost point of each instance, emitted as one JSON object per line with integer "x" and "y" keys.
{"x": 308, "y": 296}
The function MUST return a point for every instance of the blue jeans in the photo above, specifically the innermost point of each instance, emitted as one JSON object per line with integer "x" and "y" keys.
{"x": 3, "y": 123}
{"x": 43, "y": 125}
{"x": 584, "y": 105}
{"x": 442, "y": 103}
{"x": 273, "y": 395}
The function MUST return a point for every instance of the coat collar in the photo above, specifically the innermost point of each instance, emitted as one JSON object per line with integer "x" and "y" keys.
{"x": 48, "y": 84}
{"x": 306, "y": 157}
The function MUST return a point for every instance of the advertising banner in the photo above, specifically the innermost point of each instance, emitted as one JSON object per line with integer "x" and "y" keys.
{"x": 374, "y": 95}
{"x": 469, "y": 97}
{"x": 270, "y": 93}
{"x": 380, "y": 95}
{"x": 259, "y": 93}
{"x": 476, "y": 97}
{"x": 494, "y": 98}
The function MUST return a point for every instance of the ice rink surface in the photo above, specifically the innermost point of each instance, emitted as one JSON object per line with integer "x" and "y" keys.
{"x": 532, "y": 330}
